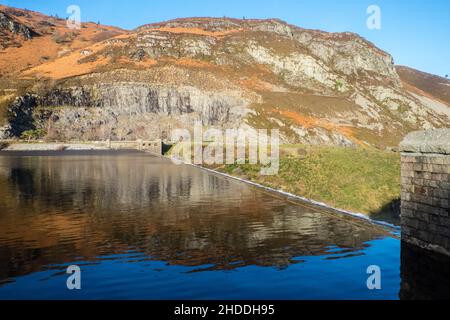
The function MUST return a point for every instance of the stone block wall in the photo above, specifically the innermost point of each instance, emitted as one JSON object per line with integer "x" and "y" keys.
{"x": 425, "y": 210}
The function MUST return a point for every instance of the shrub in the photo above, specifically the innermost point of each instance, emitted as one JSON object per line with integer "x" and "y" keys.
{"x": 338, "y": 86}
{"x": 64, "y": 38}
{"x": 32, "y": 134}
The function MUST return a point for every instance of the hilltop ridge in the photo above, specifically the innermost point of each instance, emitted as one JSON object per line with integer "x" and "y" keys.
{"x": 315, "y": 87}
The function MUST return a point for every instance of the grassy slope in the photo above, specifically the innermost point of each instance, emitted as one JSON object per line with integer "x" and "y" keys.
{"x": 362, "y": 180}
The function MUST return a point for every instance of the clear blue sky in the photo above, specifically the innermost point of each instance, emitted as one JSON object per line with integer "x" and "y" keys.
{"x": 415, "y": 32}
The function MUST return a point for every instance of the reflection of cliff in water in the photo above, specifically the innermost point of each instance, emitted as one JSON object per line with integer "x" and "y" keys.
{"x": 60, "y": 209}
{"x": 425, "y": 274}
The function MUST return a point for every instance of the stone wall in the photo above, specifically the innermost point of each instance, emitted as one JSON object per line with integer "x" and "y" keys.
{"x": 154, "y": 147}
{"x": 426, "y": 190}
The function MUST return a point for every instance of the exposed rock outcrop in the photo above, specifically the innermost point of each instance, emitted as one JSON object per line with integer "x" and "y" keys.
{"x": 86, "y": 108}
{"x": 21, "y": 115}
{"x": 9, "y": 27}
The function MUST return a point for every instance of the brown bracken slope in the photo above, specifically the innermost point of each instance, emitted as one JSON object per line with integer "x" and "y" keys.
{"x": 434, "y": 86}
{"x": 37, "y": 38}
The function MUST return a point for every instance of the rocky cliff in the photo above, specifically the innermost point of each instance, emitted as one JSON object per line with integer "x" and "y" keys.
{"x": 316, "y": 87}
{"x": 121, "y": 110}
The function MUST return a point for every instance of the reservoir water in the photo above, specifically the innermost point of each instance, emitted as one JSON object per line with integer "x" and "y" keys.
{"x": 141, "y": 227}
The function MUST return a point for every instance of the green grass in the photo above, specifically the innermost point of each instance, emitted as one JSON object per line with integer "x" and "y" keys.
{"x": 356, "y": 179}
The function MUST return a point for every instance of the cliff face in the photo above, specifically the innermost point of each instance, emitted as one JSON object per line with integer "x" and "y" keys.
{"x": 316, "y": 87}
{"x": 122, "y": 110}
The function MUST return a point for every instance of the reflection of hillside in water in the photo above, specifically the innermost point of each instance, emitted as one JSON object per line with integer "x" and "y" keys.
{"x": 60, "y": 209}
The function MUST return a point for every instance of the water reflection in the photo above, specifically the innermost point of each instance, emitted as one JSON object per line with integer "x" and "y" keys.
{"x": 56, "y": 210}
{"x": 425, "y": 275}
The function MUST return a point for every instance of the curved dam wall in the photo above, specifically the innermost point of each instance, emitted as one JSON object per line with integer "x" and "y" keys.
{"x": 425, "y": 213}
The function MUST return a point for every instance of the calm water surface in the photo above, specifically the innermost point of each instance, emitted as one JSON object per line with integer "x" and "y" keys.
{"x": 141, "y": 227}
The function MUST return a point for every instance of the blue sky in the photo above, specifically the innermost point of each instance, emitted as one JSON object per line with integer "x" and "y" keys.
{"x": 415, "y": 32}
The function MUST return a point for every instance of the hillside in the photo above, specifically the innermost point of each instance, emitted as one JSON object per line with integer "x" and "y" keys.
{"x": 316, "y": 87}
{"x": 28, "y": 39}
{"x": 429, "y": 85}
